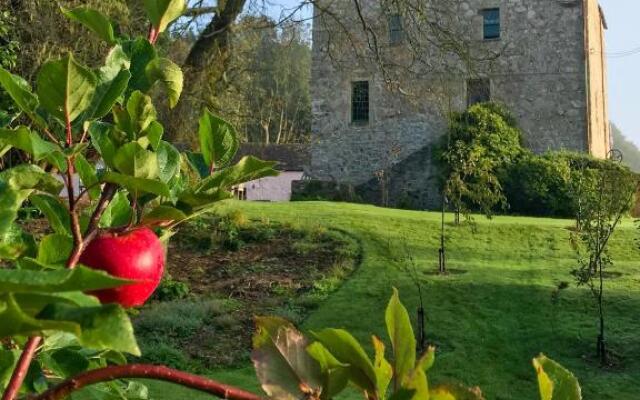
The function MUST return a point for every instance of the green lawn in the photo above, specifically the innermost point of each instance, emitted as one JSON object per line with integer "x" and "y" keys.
{"x": 488, "y": 322}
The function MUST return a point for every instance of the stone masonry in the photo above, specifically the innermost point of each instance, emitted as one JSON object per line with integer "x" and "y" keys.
{"x": 547, "y": 67}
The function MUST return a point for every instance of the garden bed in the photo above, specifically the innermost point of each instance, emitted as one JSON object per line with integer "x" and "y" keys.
{"x": 234, "y": 269}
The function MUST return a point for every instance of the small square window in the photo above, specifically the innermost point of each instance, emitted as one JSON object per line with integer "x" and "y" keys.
{"x": 360, "y": 102}
{"x": 396, "y": 32}
{"x": 478, "y": 91}
{"x": 491, "y": 17}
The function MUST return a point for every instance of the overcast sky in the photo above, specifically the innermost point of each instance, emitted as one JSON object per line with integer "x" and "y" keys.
{"x": 623, "y": 48}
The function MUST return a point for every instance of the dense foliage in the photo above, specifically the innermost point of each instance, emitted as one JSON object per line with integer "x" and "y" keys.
{"x": 76, "y": 116}
{"x": 552, "y": 184}
{"x": 480, "y": 142}
{"x": 487, "y": 169}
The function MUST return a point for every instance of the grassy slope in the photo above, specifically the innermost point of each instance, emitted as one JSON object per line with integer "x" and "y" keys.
{"x": 489, "y": 322}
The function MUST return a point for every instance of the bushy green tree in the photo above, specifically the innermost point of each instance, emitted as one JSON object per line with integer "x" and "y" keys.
{"x": 480, "y": 142}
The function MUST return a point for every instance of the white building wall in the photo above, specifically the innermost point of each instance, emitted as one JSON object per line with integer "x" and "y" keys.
{"x": 272, "y": 188}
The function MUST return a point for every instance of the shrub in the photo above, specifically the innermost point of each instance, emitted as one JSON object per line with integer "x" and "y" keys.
{"x": 552, "y": 184}
{"x": 177, "y": 319}
{"x": 480, "y": 142}
{"x": 170, "y": 290}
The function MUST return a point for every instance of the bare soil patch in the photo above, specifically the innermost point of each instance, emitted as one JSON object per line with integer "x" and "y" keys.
{"x": 234, "y": 270}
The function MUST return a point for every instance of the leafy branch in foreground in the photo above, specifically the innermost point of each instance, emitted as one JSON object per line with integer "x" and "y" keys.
{"x": 291, "y": 365}
{"x": 110, "y": 187}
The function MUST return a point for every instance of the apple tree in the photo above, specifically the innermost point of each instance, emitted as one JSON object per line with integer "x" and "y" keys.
{"x": 112, "y": 190}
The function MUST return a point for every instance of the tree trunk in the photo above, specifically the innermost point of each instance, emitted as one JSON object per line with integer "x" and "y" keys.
{"x": 203, "y": 68}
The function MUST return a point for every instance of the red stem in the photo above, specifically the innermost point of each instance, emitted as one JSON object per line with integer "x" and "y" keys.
{"x": 153, "y": 34}
{"x": 78, "y": 243}
{"x": 149, "y": 372}
{"x": 21, "y": 369}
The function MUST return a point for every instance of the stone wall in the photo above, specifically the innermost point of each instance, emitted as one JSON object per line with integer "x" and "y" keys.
{"x": 537, "y": 69}
{"x": 599, "y": 127}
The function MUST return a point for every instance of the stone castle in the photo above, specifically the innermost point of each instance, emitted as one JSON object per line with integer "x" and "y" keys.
{"x": 382, "y": 86}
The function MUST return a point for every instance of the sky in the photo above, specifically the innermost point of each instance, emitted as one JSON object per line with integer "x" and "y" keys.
{"x": 623, "y": 55}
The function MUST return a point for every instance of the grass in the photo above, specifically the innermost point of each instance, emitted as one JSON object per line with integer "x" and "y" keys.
{"x": 487, "y": 323}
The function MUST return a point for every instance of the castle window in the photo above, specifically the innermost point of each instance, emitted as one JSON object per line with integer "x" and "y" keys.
{"x": 478, "y": 91}
{"x": 360, "y": 102}
{"x": 491, "y": 23}
{"x": 396, "y": 33}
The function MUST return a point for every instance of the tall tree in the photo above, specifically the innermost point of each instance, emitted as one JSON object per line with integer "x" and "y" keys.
{"x": 205, "y": 65}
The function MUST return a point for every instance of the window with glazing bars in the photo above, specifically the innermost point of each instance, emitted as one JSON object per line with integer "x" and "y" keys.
{"x": 360, "y": 102}
{"x": 396, "y": 32}
{"x": 478, "y": 91}
{"x": 491, "y": 23}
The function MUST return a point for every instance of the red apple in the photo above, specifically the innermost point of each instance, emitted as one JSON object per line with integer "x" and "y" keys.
{"x": 136, "y": 255}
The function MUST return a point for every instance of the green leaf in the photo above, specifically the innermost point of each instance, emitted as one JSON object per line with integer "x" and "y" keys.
{"x": 384, "y": 371}
{"x": 336, "y": 374}
{"x": 455, "y": 392}
{"x": 163, "y": 215}
{"x": 427, "y": 359}
{"x": 78, "y": 279}
{"x": 137, "y": 185}
{"x": 402, "y": 394}
{"x": 118, "y": 213}
{"x": 104, "y": 327}
{"x": 68, "y": 362}
{"x": 282, "y": 363}
{"x": 131, "y": 159}
{"x": 29, "y": 176}
{"x": 87, "y": 173}
{"x": 17, "y": 322}
{"x": 168, "y": 161}
{"x": 218, "y": 140}
{"x": 346, "y": 349}
{"x": 65, "y": 88}
{"x": 141, "y": 113}
{"x": 418, "y": 383}
{"x": 247, "y": 169}
{"x": 162, "y": 12}
{"x": 54, "y": 249}
{"x": 102, "y": 138}
{"x": 19, "y": 90}
{"x": 196, "y": 162}
{"x": 16, "y": 243}
{"x": 108, "y": 92}
{"x": 169, "y": 75}
{"x": 16, "y": 185}
{"x": 8, "y": 361}
{"x": 402, "y": 338}
{"x": 153, "y": 134}
{"x": 94, "y": 20}
{"x": 56, "y": 213}
{"x": 28, "y": 141}
{"x": 555, "y": 381}
{"x": 140, "y": 53}
{"x": 34, "y": 303}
